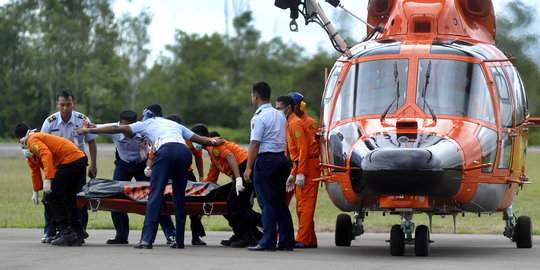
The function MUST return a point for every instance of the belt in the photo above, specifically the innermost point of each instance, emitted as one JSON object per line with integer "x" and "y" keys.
{"x": 161, "y": 141}
{"x": 312, "y": 157}
{"x": 271, "y": 153}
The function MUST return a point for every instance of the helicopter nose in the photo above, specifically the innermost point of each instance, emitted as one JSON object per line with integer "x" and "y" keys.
{"x": 410, "y": 171}
{"x": 405, "y": 159}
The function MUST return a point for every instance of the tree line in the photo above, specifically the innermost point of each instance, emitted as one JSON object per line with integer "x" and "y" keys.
{"x": 48, "y": 45}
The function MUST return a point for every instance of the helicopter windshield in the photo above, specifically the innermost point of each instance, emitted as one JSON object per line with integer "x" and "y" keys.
{"x": 454, "y": 88}
{"x": 372, "y": 87}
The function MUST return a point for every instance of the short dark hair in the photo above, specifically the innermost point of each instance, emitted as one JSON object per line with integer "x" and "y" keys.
{"x": 214, "y": 134}
{"x": 286, "y": 100}
{"x": 155, "y": 109}
{"x": 263, "y": 90}
{"x": 175, "y": 117}
{"x": 65, "y": 93}
{"x": 128, "y": 115}
{"x": 200, "y": 129}
{"x": 21, "y": 129}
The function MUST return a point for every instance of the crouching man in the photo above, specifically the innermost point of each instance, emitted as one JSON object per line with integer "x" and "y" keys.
{"x": 64, "y": 164}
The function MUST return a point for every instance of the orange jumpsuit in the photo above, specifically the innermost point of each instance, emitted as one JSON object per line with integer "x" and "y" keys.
{"x": 49, "y": 152}
{"x": 219, "y": 162}
{"x": 305, "y": 155}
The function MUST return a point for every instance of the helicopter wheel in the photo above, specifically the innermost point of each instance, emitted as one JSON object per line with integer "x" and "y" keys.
{"x": 343, "y": 230}
{"x": 421, "y": 241}
{"x": 523, "y": 232}
{"x": 397, "y": 241}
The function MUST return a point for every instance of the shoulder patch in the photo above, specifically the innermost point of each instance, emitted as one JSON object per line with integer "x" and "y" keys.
{"x": 82, "y": 116}
{"x": 315, "y": 125}
{"x": 215, "y": 152}
{"x": 298, "y": 133}
{"x": 35, "y": 147}
{"x": 52, "y": 118}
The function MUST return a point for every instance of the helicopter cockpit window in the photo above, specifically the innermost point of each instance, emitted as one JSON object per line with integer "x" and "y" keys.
{"x": 329, "y": 92}
{"x": 344, "y": 104}
{"x": 519, "y": 94}
{"x": 451, "y": 87}
{"x": 505, "y": 98}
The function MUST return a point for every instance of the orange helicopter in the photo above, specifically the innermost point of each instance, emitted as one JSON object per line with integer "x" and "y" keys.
{"x": 425, "y": 115}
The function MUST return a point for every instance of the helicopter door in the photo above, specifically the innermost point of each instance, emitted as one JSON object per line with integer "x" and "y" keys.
{"x": 521, "y": 131}
{"x": 506, "y": 111}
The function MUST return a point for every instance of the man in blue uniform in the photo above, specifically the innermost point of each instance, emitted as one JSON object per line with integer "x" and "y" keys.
{"x": 63, "y": 123}
{"x": 270, "y": 168}
{"x": 172, "y": 160}
{"x": 131, "y": 155}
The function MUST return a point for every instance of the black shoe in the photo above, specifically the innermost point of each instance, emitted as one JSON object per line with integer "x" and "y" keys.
{"x": 259, "y": 248}
{"x": 67, "y": 238}
{"x": 247, "y": 240}
{"x": 143, "y": 245}
{"x": 196, "y": 241}
{"x": 177, "y": 245}
{"x": 282, "y": 248}
{"x": 170, "y": 240}
{"x": 47, "y": 239}
{"x": 117, "y": 241}
{"x": 230, "y": 240}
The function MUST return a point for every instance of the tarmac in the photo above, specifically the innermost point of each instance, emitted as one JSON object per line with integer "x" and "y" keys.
{"x": 22, "y": 249}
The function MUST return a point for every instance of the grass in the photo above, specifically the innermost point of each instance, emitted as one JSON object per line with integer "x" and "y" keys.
{"x": 17, "y": 211}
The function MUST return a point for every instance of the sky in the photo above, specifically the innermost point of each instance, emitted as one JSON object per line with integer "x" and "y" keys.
{"x": 208, "y": 16}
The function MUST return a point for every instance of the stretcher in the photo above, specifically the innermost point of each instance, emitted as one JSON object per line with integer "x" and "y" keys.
{"x": 132, "y": 197}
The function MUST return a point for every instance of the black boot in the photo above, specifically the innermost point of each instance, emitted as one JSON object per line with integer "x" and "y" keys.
{"x": 67, "y": 238}
{"x": 247, "y": 240}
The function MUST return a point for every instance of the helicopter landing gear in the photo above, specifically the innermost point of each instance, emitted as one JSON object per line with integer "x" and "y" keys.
{"x": 400, "y": 235}
{"x": 520, "y": 231}
{"x": 346, "y": 231}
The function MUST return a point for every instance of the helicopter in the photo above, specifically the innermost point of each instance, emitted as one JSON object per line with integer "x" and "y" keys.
{"x": 424, "y": 116}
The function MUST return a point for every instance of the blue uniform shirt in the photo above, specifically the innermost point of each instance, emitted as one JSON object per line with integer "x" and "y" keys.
{"x": 135, "y": 149}
{"x": 268, "y": 127}
{"x": 56, "y": 126}
{"x": 161, "y": 128}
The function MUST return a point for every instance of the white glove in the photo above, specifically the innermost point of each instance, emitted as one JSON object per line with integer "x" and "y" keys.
{"x": 47, "y": 186}
{"x": 239, "y": 186}
{"x": 147, "y": 171}
{"x": 35, "y": 198}
{"x": 300, "y": 180}
{"x": 290, "y": 183}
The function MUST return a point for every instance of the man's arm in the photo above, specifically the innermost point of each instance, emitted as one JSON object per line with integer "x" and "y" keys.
{"x": 253, "y": 151}
{"x": 92, "y": 171}
{"x": 126, "y": 129}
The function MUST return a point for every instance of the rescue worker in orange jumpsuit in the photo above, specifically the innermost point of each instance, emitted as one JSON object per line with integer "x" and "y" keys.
{"x": 305, "y": 156}
{"x": 64, "y": 165}
{"x": 231, "y": 159}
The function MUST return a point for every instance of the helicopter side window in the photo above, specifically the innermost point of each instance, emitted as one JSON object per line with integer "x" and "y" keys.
{"x": 451, "y": 87}
{"x": 329, "y": 92}
{"x": 519, "y": 94}
{"x": 506, "y": 151}
{"x": 344, "y": 104}
{"x": 505, "y": 98}
{"x": 380, "y": 85}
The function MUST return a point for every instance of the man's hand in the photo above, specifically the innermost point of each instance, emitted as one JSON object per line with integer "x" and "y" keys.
{"x": 290, "y": 183}
{"x": 35, "y": 197}
{"x": 92, "y": 171}
{"x": 239, "y": 186}
{"x": 147, "y": 171}
{"x": 82, "y": 131}
{"x": 86, "y": 124}
{"x": 47, "y": 186}
{"x": 247, "y": 175}
{"x": 217, "y": 142}
{"x": 300, "y": 180}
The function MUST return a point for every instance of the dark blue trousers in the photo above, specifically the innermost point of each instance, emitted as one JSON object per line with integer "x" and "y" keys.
{"x": 172, "y": 162}
{"x": 124, "y": 171}
{"x": 270, "y": 174}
